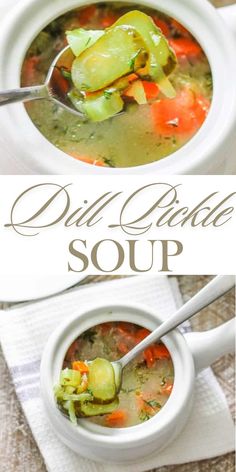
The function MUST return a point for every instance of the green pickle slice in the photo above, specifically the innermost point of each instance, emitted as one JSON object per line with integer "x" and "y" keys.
{"x": 118, "y": 52}
{"x": 95, "y": 409}
{"x": 101, "y": 380}
{"x": 162, "y": 59}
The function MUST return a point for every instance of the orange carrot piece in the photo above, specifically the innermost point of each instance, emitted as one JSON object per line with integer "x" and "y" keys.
{"x": 123, "y": 348}
{"x": 180, "y": 28}
{"x": 160, "y": 351}
{"x": 117, "y": 418}
{"x": 149, "y": 357}
{"x": 167, "y": 389}
{"x": 108, "y": 20}
{"x": 87, "y": 160}
{"x": 80, "y": 366}
{"x": 122, "y": 327}
{"x": 142, "y": 334}
{"x": 132, "y": 77}
{"x": 86, "y": 14}
{"x": 185, "y": 47}
{"x": 106, "y": 327}
{"x": 182, "y": 115}
{"x": 151, "y": 89}
{"x": 164, "y": 27}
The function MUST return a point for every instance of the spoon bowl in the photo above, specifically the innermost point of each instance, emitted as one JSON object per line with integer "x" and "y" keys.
{"x": 56, "y": 86}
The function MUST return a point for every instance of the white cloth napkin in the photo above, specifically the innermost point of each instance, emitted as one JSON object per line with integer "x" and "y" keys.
{"x": 24, "y": 330}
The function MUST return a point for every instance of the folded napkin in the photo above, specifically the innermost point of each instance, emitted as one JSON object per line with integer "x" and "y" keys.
{"x": 24, "y": 330}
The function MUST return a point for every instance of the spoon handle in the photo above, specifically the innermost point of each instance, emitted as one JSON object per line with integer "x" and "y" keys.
{"x": 23, "y": 94}
{"x": 213, "y": 290}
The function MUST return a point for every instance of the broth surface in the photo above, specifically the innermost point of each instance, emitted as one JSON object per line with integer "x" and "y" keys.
{"x": 141, "y": 135}
{"x": 147, "y": 381}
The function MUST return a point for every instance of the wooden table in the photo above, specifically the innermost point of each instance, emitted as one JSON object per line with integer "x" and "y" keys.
{"x": 18, "y": 450}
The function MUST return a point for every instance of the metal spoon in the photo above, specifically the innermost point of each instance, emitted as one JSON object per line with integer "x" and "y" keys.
{"x": 213, "y": 290}
{"x": 56, "y": 86}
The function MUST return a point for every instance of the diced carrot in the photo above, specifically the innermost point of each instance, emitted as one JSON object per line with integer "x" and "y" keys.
{"x": 142, "y": 334}
{"x": 123, "y": 348}
{"x": 151, "y": 90}
{"x": 167, "y": 389}
{"x": 164, "y": 27}
{"x": 86, "y": 14}
{"x": 132, "y": 77}
{"x": 180, "y": 29}
{"x": 106, "y": 327}
{"x": 123, "y": 327}
{"x": 80, "y": 366}
{"x": 117, "y": 418}
{"x": 160, "y": 351}
{"x": 108, "y": 20}
{"x": 149, "y": 357}
{"x": 87, "y": 160}
{"x": 185, "y": 47}
{"x": 182, "y": 115}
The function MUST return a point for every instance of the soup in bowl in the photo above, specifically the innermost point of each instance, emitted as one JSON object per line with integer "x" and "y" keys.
{"x": 143, "y": 133}
{"x": 108, "y": 437}
{"x": 156, "y": 391}
{"x": 88, "y": 389}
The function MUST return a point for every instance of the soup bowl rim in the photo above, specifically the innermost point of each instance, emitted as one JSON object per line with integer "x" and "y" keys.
{"x": 95, "y": 435}
{"x": 204, "y": 144}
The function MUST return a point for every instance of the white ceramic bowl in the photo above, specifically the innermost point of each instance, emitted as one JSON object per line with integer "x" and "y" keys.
{"x": 26, "y": 151}
{"x": 127, "y": 444}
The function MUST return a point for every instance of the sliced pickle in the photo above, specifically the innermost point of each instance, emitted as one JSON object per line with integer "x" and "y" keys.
{"x": 118, "y": 52}
{"x": 70, "y": 378}
{"x": 80, "y": 39}
{"x": 162, "y": 59}
{"x": 103, "y": 106}
{"x": 101, "y": 380}
{"x": 96, "y": 409}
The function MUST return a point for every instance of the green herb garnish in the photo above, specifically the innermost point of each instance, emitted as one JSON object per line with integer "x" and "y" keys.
{"x": 133, "y": 59}
{"x": 209, "y": 82}
{"x": 84, "y": 86}
{"x": 107, "y": 94}
{"x": 108, "y": 161}
{"x": 144, "y": 416}
{"x": 153, "y": 403}
{"x": 127, "y": 390}
{"x": 65, "y": 73}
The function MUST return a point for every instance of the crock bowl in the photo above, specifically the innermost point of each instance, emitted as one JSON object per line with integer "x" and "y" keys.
{"x": 122, "y": 445}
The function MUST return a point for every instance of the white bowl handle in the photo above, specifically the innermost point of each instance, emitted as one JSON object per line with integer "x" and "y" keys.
{"x": 208, "y": 346}
{"x": 229, "y": 15}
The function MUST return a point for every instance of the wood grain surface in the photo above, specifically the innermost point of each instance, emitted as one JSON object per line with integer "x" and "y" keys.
{"x": 18, "y": 450}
